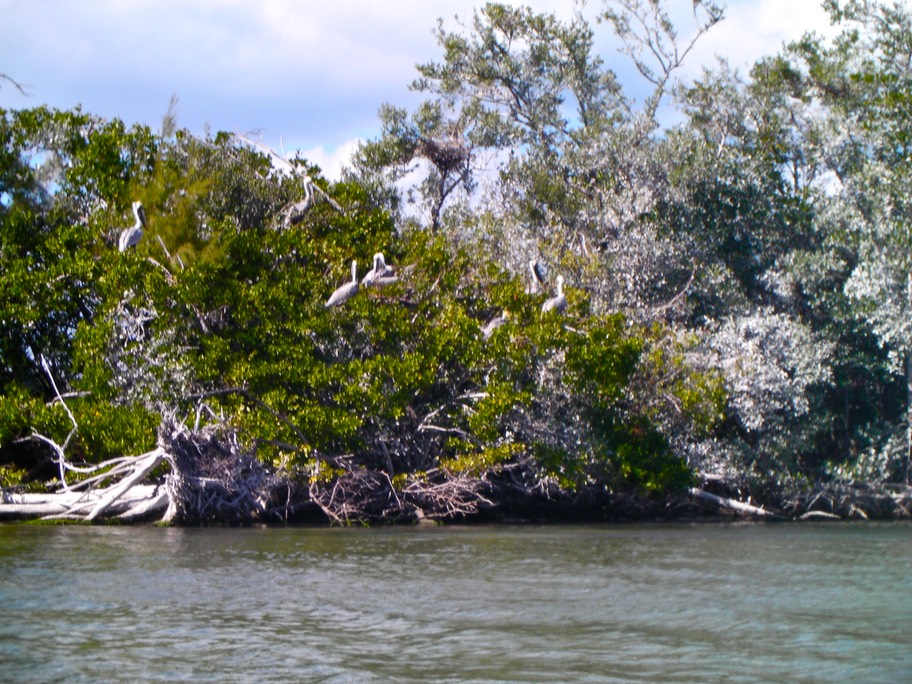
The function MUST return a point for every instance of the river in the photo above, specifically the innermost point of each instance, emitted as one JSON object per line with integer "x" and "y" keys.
{"x": 656, "y": 603}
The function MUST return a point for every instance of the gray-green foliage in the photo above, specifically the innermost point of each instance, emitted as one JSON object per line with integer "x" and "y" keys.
{"x": 769, "y": 229}
{"x": 220, "y": 310}
{"x": 860, "y": 84}
{"x": 737, "y": 285}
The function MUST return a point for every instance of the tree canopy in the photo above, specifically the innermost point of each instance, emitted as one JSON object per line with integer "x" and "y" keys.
{"x": 738, "y": 285}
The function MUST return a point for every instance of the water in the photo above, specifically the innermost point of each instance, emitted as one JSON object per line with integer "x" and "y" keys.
{"x": 702, "y": 603}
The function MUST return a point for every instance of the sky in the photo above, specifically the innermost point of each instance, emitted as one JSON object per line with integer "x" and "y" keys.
{"x": 300, "y": 76}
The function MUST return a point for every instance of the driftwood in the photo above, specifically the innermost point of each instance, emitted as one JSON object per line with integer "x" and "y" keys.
{"x": 733, "y": 505}
{"x": 860, "y": 501}
{"x": 368, "y": 495}
{"x": 139, "y": 502}
{"x": 819, "y": 515}
{"x": 203, "y": 475}
{"x": 825, "y": 501}
{"x": 210, "y": 479}
{"x": 143, "y": 467}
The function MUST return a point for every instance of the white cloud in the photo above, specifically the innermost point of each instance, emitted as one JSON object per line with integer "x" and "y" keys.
{"x": 757, "y": 28}
{"x": 308, "y": 71}
{"x": 331, "y": 160}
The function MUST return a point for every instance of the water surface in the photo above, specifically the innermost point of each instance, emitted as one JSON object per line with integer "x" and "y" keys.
{"x": 733, "y": 603}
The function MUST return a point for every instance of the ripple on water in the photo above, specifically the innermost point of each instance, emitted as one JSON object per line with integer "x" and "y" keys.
{"x": 636, "y": 603}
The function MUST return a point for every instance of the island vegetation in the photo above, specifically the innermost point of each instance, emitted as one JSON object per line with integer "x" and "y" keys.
{"x": 734, "y": 333}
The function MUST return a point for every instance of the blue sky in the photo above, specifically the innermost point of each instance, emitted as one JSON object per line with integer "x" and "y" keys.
{"x": 299, "y": 75}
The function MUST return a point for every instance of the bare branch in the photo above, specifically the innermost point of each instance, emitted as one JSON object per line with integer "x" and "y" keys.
{"x": 16, "y": 84}
{"x": 644, "y": 26}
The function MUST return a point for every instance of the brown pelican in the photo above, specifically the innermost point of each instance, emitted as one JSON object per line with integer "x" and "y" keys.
{"x": 538, "y": 277}
{"x": 308, "y": 190}
{"x": 381, "y": 274}
{"x": 130, "y": 237}
{"x": 295, "y": 212}
{"x": 347, "y": 291}
{"x": 494, "y": 323}
{"x": 558, "y": 302}
{"x": 310, "y": 186}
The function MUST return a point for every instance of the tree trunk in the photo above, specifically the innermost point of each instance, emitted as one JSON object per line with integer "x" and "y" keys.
{"x": 908, "y": 359}
{"x": 908, "y": 464}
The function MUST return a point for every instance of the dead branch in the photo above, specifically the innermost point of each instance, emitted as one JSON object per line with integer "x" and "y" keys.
{"x": 732, "y": 504}
{"x": 294, "y": 212}
{"x": 212, "y": 479}
{"x": 59, "y": 450}
{"x": 365, "y": 495}
{"x": 18, "y": 86}
{"x": 143, "y": 467}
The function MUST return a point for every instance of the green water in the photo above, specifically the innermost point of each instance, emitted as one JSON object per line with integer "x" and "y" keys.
{"x": 702, "y": 603}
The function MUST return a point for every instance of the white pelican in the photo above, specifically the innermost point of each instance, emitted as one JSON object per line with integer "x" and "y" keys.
{"x": 559, "y": 301}
{"x": 381, "y": 274}
{"x": 130, "y": 237}
{"x": 345, "y": 292}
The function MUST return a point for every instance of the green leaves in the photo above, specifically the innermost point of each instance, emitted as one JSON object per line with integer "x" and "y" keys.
{"x": 601, "y": 364}
{"x": 220, "y": 305}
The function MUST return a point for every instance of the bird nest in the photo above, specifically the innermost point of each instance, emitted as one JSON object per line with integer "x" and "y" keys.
{"x": 446, "y": 154}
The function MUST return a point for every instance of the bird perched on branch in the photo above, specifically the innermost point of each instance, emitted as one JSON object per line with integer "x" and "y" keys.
{"x": 347, "y": 291}
{"x": 381, "y": 274}
{"x": 130, "y": 237}
{"x": 558, "y": 302}
{"x": 494, "y": 323}
{"x": 295, "y": 212}
{"x": 538, "y": 277}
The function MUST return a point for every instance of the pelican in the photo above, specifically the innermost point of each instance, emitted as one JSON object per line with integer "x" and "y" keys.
{"x": 538, "y": 277}
{"x": 294, "y": 213}
{"x": 347, "y": 291}
{"x": 310, "y": 186}
{"x": 130, "y": 237}
{"x": 381, "y": 274}
{"x": 308, "y": 190}
{"x": 494, "y": 323}
{"x": 558, "y": 302}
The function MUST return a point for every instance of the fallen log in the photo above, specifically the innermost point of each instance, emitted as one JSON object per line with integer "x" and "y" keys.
{"x": 30, "y": 511}
{"x": 211, "y": 480}
{"x": 819, "y": 515}
{"x": 734, "y": 505}
{"x": 70, "y": 504}
{"x": 156, "y": 504}
{"x": 142, "y": 468}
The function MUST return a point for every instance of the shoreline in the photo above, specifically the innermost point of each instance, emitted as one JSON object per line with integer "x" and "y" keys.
{"x": 834, "y": 504}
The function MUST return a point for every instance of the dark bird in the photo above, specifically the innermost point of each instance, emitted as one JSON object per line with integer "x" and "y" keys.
{"x": 538, "y": 277}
